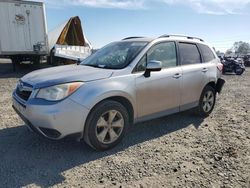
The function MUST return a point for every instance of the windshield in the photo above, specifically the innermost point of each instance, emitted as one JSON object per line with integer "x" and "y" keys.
{"x": 116, "y": 55}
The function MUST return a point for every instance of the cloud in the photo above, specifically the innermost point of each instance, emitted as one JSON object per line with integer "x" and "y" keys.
{"x": 219, "y": 7}
{"x": 116, "y": 4}
{"x": 213, "y": 6}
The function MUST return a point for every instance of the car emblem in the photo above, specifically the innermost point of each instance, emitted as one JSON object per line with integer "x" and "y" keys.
{"x": 21, "y": 86}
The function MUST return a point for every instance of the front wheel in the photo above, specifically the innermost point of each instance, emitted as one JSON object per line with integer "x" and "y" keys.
{"x": 106, "y": 125}
{"x": 207, "y": 101}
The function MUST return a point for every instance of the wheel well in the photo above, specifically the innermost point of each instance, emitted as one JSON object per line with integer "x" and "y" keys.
{"x": 212, "y": 84}
{"x": 126, "y": 103}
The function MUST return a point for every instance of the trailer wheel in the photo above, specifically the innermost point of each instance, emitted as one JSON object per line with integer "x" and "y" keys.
{"x": 15, "y": 62}
{"x": 36, "y": 62}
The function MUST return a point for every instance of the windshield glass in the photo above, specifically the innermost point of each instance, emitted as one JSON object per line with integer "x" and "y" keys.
{"x": 116, "y": 55}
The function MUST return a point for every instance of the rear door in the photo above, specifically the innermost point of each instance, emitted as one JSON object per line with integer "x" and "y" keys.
{"x": 209, "y": 62}
{"x": 193, "y": 71}
{"x": 17, "y": 28}
{"x": 13, "y": 29}
{"x": 23, "y": 26}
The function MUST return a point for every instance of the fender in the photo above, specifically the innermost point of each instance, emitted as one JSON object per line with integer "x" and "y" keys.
{"x": 91, "y": 93}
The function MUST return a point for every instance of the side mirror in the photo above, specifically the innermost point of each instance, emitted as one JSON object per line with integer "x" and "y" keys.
{"x": 152, "y": 66}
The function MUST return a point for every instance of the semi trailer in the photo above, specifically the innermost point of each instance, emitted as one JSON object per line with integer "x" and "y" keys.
{"x": 23, "y": 31}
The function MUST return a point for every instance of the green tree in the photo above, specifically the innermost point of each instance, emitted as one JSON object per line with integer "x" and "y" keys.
{"x": 229, "y": 51}
{"x": 241, "y": 47}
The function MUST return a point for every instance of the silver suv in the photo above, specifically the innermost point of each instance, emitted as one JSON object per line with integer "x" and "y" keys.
{"x": 125, "y": 82}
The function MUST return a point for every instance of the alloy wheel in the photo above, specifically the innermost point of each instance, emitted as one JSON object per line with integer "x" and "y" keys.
{"x": 208, "y": 101}
{"x": 109, "y": 127}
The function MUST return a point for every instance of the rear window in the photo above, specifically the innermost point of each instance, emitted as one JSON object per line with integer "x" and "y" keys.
{"x": 207, "y": 53}
{"x": 189, "y": 54}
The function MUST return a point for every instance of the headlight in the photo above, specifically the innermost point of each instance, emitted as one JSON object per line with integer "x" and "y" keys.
{"x": 58, "y": 92}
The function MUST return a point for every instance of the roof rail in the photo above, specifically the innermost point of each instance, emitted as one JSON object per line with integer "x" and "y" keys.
{"x": 188, "y": 37}
{"x": 132, "y": 38}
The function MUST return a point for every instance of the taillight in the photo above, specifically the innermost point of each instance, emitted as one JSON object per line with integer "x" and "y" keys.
{"x": 220, "y": 67}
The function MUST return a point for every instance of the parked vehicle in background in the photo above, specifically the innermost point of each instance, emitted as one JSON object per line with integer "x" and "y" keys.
{"x": 133, "y": 80}
{"x": 24, "y": 37}
{"x": 23, "y": 31}
{"x": 233, "y": 65}
{"x": 68, "y": 43}
{"x": 246, "y": 60}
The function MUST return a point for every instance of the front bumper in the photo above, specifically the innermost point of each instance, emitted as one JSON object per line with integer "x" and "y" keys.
{"x": 52, "y": 120}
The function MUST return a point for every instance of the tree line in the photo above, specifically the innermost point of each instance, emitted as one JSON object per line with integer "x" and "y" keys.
{"x": 240, "y": 48}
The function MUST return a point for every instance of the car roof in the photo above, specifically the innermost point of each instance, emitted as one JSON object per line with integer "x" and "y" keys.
{"x": 181, "y": 38}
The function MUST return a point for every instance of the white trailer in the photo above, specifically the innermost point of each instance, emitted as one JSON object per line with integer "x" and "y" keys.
{"x": 23, "y": 30}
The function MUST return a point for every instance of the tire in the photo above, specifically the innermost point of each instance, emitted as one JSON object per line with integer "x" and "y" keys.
{"x": 104, "y": 136}
{"x": 223, "y": 71}
{"x": 206, "y": 104}
{"x": 15, "y": 62}
{"x": 48, "y": 60}
{"x": 239, "y": 71}
{"x": 36, "y": 62}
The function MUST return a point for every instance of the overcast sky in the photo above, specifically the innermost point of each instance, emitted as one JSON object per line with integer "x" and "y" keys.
{"x": 219, "y": 22}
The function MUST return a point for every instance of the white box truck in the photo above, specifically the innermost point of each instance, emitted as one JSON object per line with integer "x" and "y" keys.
{"x": 23, "y": 31}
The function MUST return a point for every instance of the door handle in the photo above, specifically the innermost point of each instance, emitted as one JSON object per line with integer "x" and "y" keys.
{"x": 204, "y": 69}
{"x": 177, "y": 75}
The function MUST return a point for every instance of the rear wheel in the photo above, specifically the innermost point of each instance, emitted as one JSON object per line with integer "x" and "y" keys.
{"x": 239, "y": 71}
{"x": 206, "y": 102}
{"x": 223, "y": 71}
{"x": 106, "y": 125}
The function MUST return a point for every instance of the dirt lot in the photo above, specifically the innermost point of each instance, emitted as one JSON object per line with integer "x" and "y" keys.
{"x": 176, "y": 151}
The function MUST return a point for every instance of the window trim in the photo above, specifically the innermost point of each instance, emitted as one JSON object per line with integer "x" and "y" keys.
{"x": 192, "y": 43}
{"x": 146, "y": 54}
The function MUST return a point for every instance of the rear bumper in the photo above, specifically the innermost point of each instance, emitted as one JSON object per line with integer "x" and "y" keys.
{"x": 219, "y": 85}
{"x": 53, "y": 121}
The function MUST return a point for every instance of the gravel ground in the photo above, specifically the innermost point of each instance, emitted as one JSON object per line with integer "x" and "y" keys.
{"x": 180, "y": 150}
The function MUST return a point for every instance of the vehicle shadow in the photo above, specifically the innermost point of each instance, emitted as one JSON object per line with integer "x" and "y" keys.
{"x": 28, "y": 159}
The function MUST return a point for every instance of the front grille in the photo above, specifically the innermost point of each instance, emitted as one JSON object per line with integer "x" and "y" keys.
{"x": 23, "y": 91}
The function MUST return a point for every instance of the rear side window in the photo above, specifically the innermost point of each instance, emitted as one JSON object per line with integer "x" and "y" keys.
{"x": 207, "y": 53}
{"x": 189, "y": 54}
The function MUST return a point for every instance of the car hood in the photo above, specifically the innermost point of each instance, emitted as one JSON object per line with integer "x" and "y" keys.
{"x": 64, "y": 74}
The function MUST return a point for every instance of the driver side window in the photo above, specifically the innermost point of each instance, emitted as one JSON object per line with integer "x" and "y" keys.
{"x": 164, "y": 52}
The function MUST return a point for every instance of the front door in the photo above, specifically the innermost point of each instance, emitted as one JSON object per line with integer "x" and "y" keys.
{"x": 160, "y": 93}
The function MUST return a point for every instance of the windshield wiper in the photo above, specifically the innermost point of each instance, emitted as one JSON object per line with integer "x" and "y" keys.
{"x": 90, "y": 65}
{"x": 99, "y": 66}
